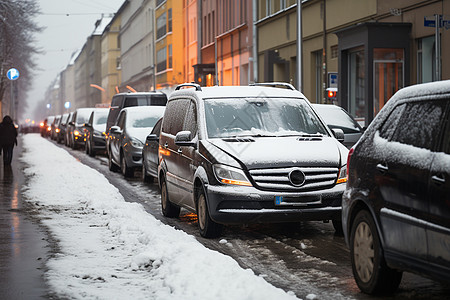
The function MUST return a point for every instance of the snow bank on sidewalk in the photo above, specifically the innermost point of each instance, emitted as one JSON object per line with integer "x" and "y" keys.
{"x": 112, "y": 249}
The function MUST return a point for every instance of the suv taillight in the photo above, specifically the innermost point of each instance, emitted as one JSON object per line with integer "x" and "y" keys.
{"x": 350, "y": 153}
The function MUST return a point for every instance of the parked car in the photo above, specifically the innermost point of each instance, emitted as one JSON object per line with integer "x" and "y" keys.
{"x": 77, "y": 131}
{"x": 245, "y": 154}
{"x": 62, "y": 128}
{"x": 128, "y": 135}
{"x": 95, "y": 131}
{"x": 150, "y": 154}
{"x": 43, "y": 128}
{"x": 123, "y": 100}
{"x": 396, "y": 208}
{"x": 48, "y": 130}
{"x": 337, "y": 117}
{"x": 67, "y": 132}
{"x": 55, "y": 129}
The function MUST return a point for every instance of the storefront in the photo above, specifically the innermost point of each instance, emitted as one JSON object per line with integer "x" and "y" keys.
{"x": 374, "y": 63}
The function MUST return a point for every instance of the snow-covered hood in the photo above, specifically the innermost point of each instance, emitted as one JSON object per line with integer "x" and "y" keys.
{"x": 272, "y": 152}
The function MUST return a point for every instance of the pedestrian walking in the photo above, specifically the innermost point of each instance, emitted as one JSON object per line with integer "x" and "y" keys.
{"x": 8, "y": 138}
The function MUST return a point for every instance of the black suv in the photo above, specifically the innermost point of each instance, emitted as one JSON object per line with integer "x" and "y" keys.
{"x": 396, "y": 208}
{"x": 242, "y": 154}
{"x": 123, "y": 100}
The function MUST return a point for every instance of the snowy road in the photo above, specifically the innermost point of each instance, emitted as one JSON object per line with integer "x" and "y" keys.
{"x": 305, "y": 259}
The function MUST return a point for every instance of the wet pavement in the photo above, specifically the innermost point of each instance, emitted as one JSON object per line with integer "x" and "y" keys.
{"x": 23, "y": 242}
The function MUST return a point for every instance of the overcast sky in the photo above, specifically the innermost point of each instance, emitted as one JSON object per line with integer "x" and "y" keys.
{"x": 67, "y": 24}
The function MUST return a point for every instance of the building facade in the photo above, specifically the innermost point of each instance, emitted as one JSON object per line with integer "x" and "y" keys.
{"x": 366, "y": 50}
{"x": 137, "y": 46}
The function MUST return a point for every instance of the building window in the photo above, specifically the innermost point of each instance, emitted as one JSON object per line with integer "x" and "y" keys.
{"x": 169, "y": 23}
{"x": 356, "y": 86}
{"x": 161, "y": 60}
{"x": 170, "y": 56}
{"x": 426, "y": 57}
{"x": 161, "y": 26}
{"x": 334, "y": 52}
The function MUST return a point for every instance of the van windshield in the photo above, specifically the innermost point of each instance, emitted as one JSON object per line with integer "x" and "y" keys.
{"x": 233, "y": 117}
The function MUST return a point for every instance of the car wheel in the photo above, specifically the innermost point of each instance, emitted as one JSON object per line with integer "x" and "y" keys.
{"x": 208, "y": 228}
{"x": 126, "y": 171}
{"x": 145, "y": 177}
{"x": 72, "y": 144}
{"x": 337, "y": 225}
{"x": 86, "y": 147}
{"x": 91, "y": 151}
{"x": 168, "y": 209}
{"x": 112, "y": 166}
{"x": 371, "y": 273}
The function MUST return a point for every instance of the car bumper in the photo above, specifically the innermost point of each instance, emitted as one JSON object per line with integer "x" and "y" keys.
{"x": 237, "y": 205}
{"x": 133, "y": 157}
{"x": 99, "y": 143}
{"x": 79, "y": 139}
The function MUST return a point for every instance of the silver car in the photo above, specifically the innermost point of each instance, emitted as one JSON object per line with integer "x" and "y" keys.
{"x": 127, "y": 137}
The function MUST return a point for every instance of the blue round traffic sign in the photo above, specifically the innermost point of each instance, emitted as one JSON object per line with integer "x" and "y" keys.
{"x": 12, "y": 74}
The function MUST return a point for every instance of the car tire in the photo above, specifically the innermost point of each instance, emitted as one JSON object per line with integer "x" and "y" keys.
{"x": 112, "y": 166}
{"x": 145, "y": 177}
{"x": 370, "y": 271}
{"x": 91, "y": 151}
{"x": 169, "y": 210}
{"x": 208, "y": 228}
{"x": 126, "y": 171}
{"x": 86, "y": 147}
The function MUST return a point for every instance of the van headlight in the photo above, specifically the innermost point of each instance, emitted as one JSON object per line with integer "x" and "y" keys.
{"x": 342, "y": 178}
{"x": 230, "y": 175}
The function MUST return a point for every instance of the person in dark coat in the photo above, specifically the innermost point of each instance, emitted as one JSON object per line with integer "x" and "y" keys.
{"x": 8, "y": 137}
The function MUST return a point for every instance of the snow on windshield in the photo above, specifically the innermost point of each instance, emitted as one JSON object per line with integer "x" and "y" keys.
{"x": 260, "y": 116}
{"x": 112, "y": 249}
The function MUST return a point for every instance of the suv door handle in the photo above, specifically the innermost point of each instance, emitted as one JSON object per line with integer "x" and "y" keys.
{"x": 438, "y": 180}
{"x": 166, "y": 145}
{"x": 382, "y": 168}
{"x": 180, "y": 151}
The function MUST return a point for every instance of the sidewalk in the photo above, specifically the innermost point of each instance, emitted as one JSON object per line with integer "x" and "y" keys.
{"x": 23, "y": 246}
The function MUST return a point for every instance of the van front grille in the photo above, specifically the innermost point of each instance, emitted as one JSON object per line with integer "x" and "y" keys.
{"x": 279, "y": 179}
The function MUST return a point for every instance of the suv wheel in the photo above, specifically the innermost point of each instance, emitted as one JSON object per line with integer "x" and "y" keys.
{"x": 112, "y": 166}
{"x": 371, "y": 273}
{"x": 126, "y": 171}
{"x": 208, "y": 228}
{"x": 168, "y": 209}
{"x": 91, "y": 151}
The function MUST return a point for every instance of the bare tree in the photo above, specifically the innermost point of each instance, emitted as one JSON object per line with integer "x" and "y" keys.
{"x": 17, "y": 29}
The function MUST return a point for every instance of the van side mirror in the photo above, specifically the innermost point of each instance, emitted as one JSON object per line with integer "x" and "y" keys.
{"x": 184, "y": 138}
{"x": 338, "y": 134}
{"x": 152, "y": 138}
{"x": 115, "y": 129}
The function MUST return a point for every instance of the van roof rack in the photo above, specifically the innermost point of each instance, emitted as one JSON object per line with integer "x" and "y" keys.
{"x": 194, "y": 85}
{"x": 274, "y": 84}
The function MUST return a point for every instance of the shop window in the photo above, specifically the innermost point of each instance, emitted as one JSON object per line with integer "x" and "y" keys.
{"x": 356, "y": 84}
{"x": 426, "y": 56}
{"x": 388, "y": 75}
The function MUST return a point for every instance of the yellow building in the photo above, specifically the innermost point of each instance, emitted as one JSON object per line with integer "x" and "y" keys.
{"x": 170, "y": 38}
{"x": 110, "y": 61}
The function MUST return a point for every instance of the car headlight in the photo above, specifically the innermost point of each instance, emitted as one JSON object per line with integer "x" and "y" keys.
{"x": 136, "y": 143}
{"x": 230, "y": 175}
{"x": 342, "y": 178}
{"x": 76, "y": 133}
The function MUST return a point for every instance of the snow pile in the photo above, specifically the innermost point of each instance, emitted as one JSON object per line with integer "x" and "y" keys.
{"x": 112, "y": 249}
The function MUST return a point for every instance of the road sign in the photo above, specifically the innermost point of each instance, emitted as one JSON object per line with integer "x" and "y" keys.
{"x": 12, "y": 74}
{"x": 430, "y": 21}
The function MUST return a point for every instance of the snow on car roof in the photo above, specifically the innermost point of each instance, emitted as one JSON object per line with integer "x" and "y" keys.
{"x": 239, "y": 92}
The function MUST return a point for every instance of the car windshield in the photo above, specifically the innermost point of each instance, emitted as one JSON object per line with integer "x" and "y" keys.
{"x": 235, "y": 117}
{"x": 335, "y": 117}
{"x": 83, "y": 116}
{"x": 101, "y": 118}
